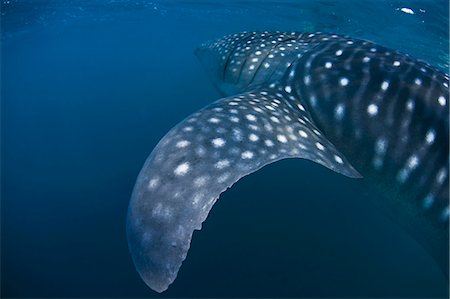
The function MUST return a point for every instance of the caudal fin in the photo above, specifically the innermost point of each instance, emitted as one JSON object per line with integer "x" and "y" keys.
{"x": 203, "y": 156}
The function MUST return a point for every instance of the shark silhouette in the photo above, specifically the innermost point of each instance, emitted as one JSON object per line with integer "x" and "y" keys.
{"x": 358, "y": 108}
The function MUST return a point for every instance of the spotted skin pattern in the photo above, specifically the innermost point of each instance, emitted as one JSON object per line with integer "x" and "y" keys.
{"x": 359, "y": 109}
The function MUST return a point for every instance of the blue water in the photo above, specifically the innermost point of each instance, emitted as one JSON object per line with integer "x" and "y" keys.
{"x": 87, "y": 92}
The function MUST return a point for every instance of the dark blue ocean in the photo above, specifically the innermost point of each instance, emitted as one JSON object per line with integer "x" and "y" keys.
{"x": 88, "y": 88}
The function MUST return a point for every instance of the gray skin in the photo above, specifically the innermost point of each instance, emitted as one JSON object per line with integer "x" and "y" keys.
{"x": 357, "y": 108}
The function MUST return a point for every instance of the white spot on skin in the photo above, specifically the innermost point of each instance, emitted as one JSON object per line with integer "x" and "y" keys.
{"x": 182, "y": 169}
{"x": 418, "y": 81}
{"x": 153, "y": 183}
{"x": 338, "y": 159}
{"x": 293, "y": 137}
{"x": 412, "y": 162}
{"x": 338, "y": 52}
{"x": 200, "y": 181}
{"x": 339, "y": 111}
{"x": 268, "y": 127}
{"x": 288, "y": 89}
{"x": 237, "y": 134}
{"x": 268, "y": 143}
{"x": 372, "y": 109}
{"x": 300, "y": 106}
{"x": 430, "y": 136}
{"x": 307, "y": 80}
{"x": 234, "y": 119}
{"x": 250, "y": 117}
{"x": 442, "y": 101}
{"x": 320, "y": 146}
{"x": 196, "y": 199}
{"x": 182, "y": 143}
{"x": 274, "y": 119}
{"x": 303, "y": 134}
{"x": 328, "y": 65}
{"x": 410, "y": 105}
{"x": 366, "y": 59}
{"x": 222, "y": 164}
{"x": 218, "y": 142}
{"x": 223, "y": 178}
{"x": 253, "y": 137}
{"x": 381, "y": 146}
{"x": 384, "y": 85}
{"x": 343, "y": 81}
{"x": 313, "y": 100}
{"x": 214, "y": 120}
{"x": 396, "y": 63}
{"x": 266, "y": 65}
{"x": 252, "y": 67}
{"x": 282, "y": 138}
{"x": 258, "y": 53}
{"x": 441, "y": 176}
{"x": 247, "y": 155}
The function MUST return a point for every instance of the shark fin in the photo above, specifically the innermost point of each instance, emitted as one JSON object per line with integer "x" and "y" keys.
{"x": 203, "y": 156}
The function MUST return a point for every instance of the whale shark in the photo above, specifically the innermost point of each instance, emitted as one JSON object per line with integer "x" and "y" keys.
{"x": 353, "y": 106}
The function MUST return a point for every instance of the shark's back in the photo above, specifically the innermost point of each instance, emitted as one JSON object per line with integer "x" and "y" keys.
{"x": 388, "y": 114}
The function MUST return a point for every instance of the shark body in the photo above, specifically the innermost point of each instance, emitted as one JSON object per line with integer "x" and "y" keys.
{"x": 355, "y": 107}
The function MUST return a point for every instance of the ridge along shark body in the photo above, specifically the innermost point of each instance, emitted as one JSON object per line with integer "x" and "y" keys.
{"x": 357, "y": 108}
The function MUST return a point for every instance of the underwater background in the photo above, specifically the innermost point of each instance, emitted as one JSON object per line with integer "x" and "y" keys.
{"x": 88, "y": 88}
